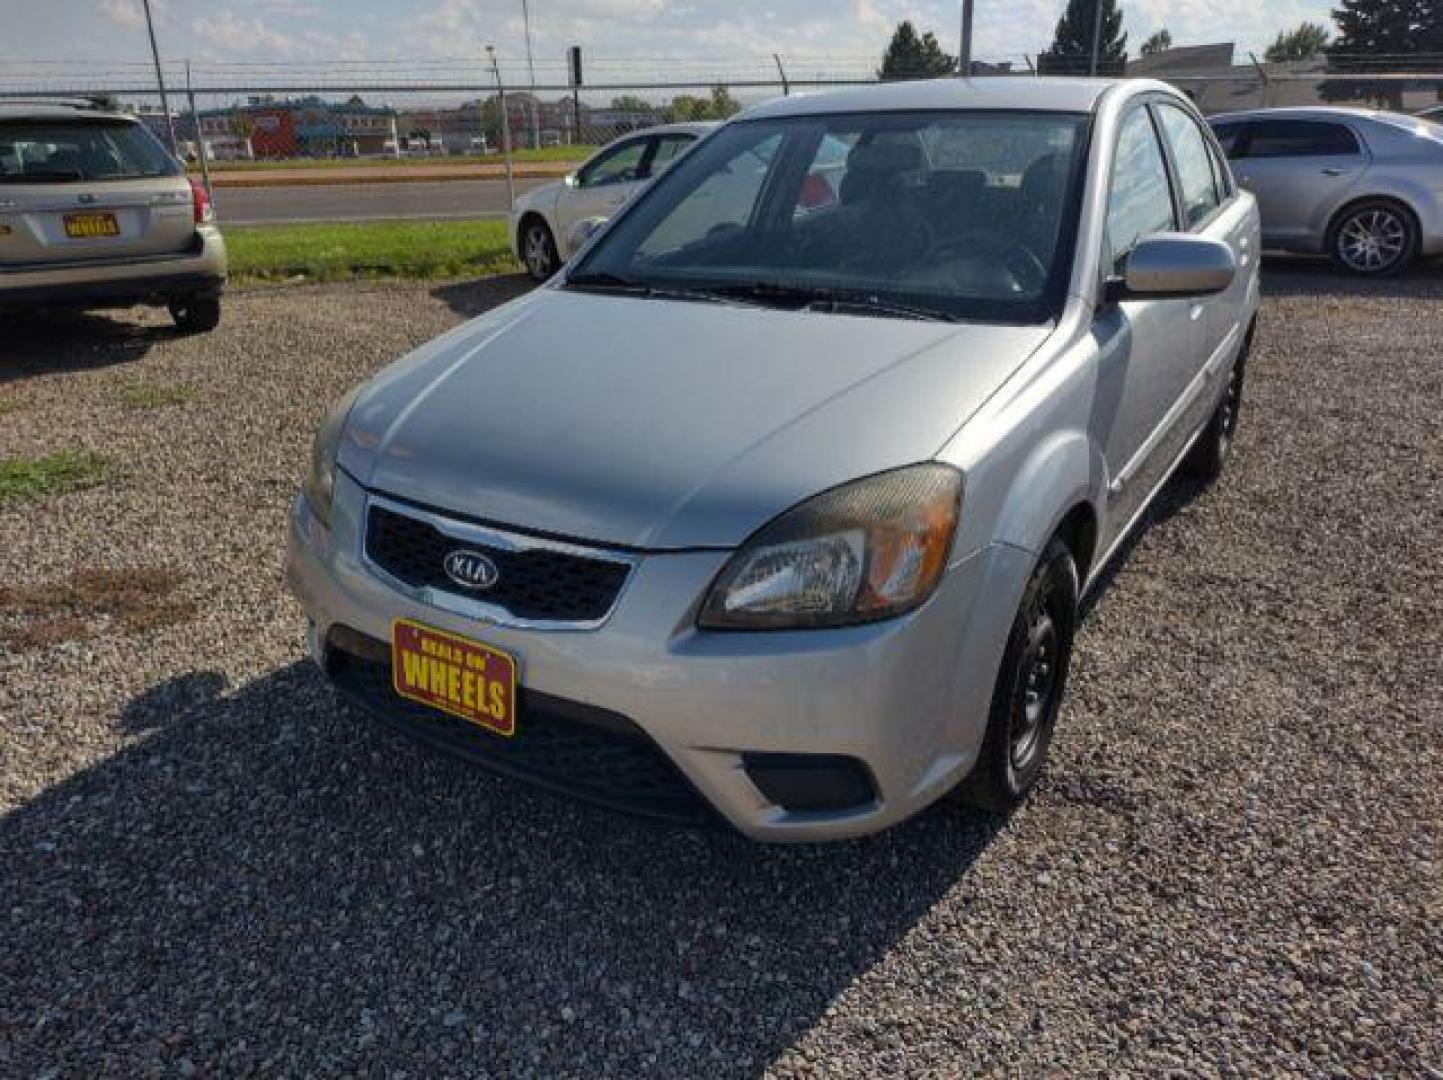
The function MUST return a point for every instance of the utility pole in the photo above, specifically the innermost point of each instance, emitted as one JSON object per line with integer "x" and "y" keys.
{"x": 199, "y": 135}
{"x": 160, "y": 77}
{"x": 505, "y": 128}
{"x": 531, "y": 68}
{"x": 1096, "y": 36}
{"x": 964, "y": 57}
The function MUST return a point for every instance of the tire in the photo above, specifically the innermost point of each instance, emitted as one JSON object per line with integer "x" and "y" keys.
{"x": 538, "y": 249}
{"x": 1030, "y": 684}
{"x": 1374, "y": 238}
{"x": 195, "y": 314}
{"x": 1204, "y": 462}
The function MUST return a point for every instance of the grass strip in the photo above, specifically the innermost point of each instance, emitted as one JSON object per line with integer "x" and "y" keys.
{"x": 423, "y": 250}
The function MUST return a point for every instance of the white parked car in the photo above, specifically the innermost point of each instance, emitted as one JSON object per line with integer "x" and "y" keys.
{"x": 543, "y": 222}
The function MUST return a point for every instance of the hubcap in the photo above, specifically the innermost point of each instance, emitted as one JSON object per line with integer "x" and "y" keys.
{"x": 1036, "y": 685}
{"x": 1373, "y": 240}
{"x": 538, "y": 251}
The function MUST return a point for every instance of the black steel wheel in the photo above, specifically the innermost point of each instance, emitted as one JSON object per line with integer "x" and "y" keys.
{"x": 1030, "y": 684}
{"x": 1209, "y": 454}
{"x": 195, "y": 314}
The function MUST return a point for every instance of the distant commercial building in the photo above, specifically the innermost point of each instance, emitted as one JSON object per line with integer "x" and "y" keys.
{"x": 305, "y": 127}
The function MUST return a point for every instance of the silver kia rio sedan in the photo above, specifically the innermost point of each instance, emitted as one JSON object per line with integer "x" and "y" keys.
{"x": 774, "y": 508}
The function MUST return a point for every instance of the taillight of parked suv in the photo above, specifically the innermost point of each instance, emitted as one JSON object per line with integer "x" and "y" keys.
{"x": 200, "y": 202}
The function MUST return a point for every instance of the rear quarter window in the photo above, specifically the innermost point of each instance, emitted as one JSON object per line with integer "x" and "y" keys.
{"x": 60, "y": 152}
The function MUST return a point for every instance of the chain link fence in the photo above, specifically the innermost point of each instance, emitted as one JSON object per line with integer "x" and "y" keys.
{"x": 331, "y": 141}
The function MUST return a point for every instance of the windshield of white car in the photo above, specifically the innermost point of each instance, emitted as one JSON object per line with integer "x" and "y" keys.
{"x": 74, "y": 151}
{"x": 948, "y": 215}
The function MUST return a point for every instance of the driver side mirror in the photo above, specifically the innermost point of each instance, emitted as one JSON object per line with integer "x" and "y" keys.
{"x": 572, "y": 180}
{"x": 1170, "y": 265}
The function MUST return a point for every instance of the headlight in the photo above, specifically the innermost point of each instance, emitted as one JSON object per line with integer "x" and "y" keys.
{"x": 865, "y": 551}
{"x": 320, "y": 486}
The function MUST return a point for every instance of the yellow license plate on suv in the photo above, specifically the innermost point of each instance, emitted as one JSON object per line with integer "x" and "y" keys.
{"x": 89, "y": 226}
{"x": 454, "y": 674}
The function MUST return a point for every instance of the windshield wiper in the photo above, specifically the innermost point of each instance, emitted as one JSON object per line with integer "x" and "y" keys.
{"x": 605, "y": 279}
{"x": 836, "y": 301}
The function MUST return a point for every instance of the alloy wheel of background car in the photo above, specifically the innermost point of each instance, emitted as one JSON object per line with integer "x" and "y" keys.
{"x": 1030, "y": 684}
{"x": 538, "y": 250}
{"x": 1376, "y": 238}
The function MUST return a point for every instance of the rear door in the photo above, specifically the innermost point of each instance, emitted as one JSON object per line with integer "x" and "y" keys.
{"x": 1300, "y": 171}
{"x": 82, "y": 188}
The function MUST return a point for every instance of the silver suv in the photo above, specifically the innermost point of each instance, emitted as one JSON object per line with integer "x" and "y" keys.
{"x": 95, "y": 212}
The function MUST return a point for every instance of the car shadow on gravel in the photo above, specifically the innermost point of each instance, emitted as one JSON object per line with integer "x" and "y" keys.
{"x": 472, "y": 298}
{"x": 1309, "y": 276}
{"x": 263, "y": 876}
{"x": 51, "y": 342}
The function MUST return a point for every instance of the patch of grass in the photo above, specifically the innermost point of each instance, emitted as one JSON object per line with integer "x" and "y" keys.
{"x": 8, "y": 405}
{"x": 365, "y": 250}
{"x": 54, "y": 474}
{"x": 142, "y": 395}
{"x": 37, "y": 616}
{"x": 579, "y": 152}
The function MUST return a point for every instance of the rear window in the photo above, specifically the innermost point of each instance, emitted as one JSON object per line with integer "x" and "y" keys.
{"x": 61, "y": 152}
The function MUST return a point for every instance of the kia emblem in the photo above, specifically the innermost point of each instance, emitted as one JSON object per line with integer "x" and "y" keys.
{"x": 470, "y": 569}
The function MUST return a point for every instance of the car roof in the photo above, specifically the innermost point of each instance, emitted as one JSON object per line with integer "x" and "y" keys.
{"x": 993, "y": 92}
{"x": 1302, "y": 112}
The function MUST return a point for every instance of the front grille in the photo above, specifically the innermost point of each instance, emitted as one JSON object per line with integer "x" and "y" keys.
{"x": 537, "y": 584}
{"x": 577, "y": 750}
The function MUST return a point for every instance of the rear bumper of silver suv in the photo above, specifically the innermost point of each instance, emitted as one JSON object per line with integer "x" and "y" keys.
{"x": 200, "y": 270}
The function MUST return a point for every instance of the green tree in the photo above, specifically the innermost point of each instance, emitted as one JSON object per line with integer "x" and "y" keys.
{"x": 723, "y": 104}
{"x": 1071, "y": 51}
{"x": 913, "y": 56}
{"x": 1303, "y": 42}
{"x": 630, "y": 103}
{"x": 1159, "y": 42}
{"x": 1403, "y": 31}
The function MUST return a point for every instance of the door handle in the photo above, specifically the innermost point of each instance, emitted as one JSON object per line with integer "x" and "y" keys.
{"x": 1330, "y": 171}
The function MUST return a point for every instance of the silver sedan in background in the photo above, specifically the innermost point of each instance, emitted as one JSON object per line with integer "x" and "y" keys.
{"x": 1364, "y": 186}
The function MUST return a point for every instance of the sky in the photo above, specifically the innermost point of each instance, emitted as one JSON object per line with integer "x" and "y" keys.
{"x": 312, "y": 31}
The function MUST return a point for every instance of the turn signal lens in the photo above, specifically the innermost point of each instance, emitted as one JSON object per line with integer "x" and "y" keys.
{"x": 869, "y": 550}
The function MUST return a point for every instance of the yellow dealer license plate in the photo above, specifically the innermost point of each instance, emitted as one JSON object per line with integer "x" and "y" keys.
{"x": 88, "y": 226}
{"x": 454, "y": 674}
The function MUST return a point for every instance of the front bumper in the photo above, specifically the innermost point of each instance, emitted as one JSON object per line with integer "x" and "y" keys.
{"x": 201, "y": 269}
{"x": 907, "y": 698}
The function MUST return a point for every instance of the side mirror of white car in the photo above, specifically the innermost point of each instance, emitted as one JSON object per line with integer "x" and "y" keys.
{"x": 583, "y": 231}
{"x": 1175, "y": 265}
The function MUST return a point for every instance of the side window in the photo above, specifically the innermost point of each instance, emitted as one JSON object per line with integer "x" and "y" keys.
{"x": 668, "y": 149}
{"x": 1140, "y": 201}
{"x": 1230, "y": 137}
{"x": 618, "y": 166}
{"x": 1300, "y": 138}
{"x": 1194, "y": 164}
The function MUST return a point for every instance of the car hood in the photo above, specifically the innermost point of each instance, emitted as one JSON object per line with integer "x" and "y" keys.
{"x": 662, "y": 424}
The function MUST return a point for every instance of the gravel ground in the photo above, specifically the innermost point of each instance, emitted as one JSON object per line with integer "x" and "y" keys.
{"x": 211, "y": 867}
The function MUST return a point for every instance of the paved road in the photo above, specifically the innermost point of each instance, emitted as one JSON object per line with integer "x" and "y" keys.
{"x": 365, "y": 202}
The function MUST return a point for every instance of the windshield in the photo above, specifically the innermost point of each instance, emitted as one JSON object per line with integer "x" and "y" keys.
{"x": 940, "y": 214}
{"x": 55, "y": 151}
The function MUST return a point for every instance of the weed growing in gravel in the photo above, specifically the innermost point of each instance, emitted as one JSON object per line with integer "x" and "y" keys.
{"x": 35, "y": 616}
{"x": 54, "y": 474}
{"x": 154, "y": 395}
{"x": 8, "y": 405}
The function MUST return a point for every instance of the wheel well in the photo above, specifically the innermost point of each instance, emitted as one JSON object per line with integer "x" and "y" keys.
{"x": 1331, "y": 233}
{"x": 1078, "y": 530}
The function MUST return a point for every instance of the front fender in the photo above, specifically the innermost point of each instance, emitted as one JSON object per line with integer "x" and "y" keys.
{"x": 1060, "y": 473}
